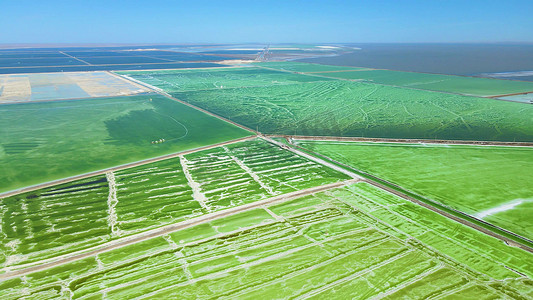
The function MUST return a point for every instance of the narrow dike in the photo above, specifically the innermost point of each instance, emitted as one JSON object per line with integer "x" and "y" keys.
{"x": 249, "y": 171}
{"x": 195, "y": 186}
{"x": 112, "y": 201}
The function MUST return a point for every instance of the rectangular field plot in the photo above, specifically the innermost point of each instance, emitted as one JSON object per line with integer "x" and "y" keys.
{"x": 321, "y": 246}
{"x": 487, "y": 182}
{"x": 40, "y": 142}
{"x": 441, "y": 83}
{"x": 303, "y": 67}
{"x": 61, "y": 86}
{"x": 217, "y": 79}
{"x": 341, "y": 108}
{"x": 74, "y": 216}
{"x": 246, "y": 172}
{"x": 54, "y": 221}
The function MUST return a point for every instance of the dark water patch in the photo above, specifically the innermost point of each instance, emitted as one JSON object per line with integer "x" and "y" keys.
{"x": 17, "y": 148}
{"x": 143, "y": 127}
{"x": 69, "y": 186}
{"x": 456, "y": 59}
{"x": 72, "y": 191}
{"x": 34, "y": 62}
{"x": 32, "y": 55}
{"x": 170, "y": 65}
{"x": 86, "y": 54}
{"x": 122, "y": 60}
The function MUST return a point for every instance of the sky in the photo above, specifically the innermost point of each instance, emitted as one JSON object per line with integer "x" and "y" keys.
{"x": 288, "y": 21}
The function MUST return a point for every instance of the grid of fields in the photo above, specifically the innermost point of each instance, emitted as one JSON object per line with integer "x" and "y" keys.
{"x": 44, "y": 141}
{"x": 341, "y": 108}
{"x": 83, "y": 59}
{"x": 69, "y": 217}
{"x": 491, "y": 183}
{"x": 356, "y": 241}
{"x": 60, "y": 86}
{"x": 217, "y": 79}
{"x": 436, "y": 82}
{"x": 241, "y": 173}
{"x": 246, "y": 217}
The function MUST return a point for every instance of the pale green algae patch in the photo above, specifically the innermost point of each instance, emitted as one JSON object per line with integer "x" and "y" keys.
{"x": 213, "y": 79}
{"x": 351, "y": 242}
{"x": 488, "y": 182}
{"x": 436, "y": 82}
{"x": 276, "y": 102}
{"x": 45, "y": 141}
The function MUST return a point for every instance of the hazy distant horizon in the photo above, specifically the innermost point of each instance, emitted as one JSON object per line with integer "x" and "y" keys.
{"x": 89, "y": 44}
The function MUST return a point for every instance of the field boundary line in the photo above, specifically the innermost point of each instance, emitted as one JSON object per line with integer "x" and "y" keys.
{"x": 197, "y": 193}
{"x": 506, "y": 95}
{"x": 128, "y": 81}
{"x": 401, "y": 141}
{"x": 312, "y": 158}
{"x": 248, "y": 171}
{"x": 78, "y": 255}
{"x": 112, "y": 202}
{"x": 81, "y": 60}
{"x": 119, "y": 167}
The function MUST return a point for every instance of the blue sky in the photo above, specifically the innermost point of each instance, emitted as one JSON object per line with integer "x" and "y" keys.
{"x": 222, "y": 21}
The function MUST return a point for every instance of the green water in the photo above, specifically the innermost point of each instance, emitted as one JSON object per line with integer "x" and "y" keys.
{"x": 472, "y": 179}
{"x": 45, "y": 141}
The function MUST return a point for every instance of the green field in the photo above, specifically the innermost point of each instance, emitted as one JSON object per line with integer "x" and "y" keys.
{"x": 45, "y": 141}
{"x": 341, "y": 108}
{"x": 65, "y": 218}
{"x": 436, "y": 82}
{"x": 356, "y": 241}
{"x": 242, "y": 173}
{"x": 236, "y": 221}
{"x": 216, "y": 79}
{"x": 488, "y": 182}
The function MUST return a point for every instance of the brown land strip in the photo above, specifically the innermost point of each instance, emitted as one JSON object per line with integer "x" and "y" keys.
{"x": 506, "y": 95}
{"x": 50, "y": 263}
{"x": 121, "y": 167}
